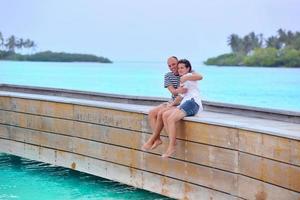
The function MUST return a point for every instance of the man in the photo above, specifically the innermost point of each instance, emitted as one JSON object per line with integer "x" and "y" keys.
{"x": 172, "y": 82}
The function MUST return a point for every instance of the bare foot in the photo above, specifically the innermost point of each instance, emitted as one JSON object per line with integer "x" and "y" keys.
{"x": 156, "y": 144}
{"x": 168, "y": 153}
{"x": 147, "y": 146}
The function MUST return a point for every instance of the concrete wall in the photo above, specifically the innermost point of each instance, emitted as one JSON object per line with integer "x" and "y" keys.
{"x": 241, "y": 110}
{"x": 211, "y": 162}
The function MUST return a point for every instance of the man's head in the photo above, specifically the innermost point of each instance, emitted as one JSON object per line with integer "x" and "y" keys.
{"x": 172, "y": 64}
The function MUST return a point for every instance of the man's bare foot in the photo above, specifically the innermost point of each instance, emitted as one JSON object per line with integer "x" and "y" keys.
{"x": 156, "y": 143}
{"x": 147, "y": 146}
{"x": 168, "y": 153}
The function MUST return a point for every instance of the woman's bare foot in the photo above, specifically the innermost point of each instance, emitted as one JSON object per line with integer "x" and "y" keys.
{"x": 169, "y": 152}
{"x": 147, "y": 146}
{"x": 156, "y": 143}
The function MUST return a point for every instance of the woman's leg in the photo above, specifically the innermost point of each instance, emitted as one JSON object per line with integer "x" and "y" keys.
{"x": 152, "y": 116}
{"x": 171, "y": 121}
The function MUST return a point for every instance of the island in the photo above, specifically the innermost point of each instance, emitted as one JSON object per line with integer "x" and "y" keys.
{"x": 8, "y": 52}
{"x": 281, "y": 50}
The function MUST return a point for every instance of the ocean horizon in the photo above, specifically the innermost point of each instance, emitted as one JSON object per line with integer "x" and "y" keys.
{"x": 263, "y": 87}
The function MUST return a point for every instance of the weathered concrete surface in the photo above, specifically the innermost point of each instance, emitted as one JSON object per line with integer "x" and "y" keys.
{"x": 241, "y": 110}
{"x": 218, "y": 156}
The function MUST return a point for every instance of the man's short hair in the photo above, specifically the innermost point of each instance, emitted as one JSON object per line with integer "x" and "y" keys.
{"x": 174, "y": 57}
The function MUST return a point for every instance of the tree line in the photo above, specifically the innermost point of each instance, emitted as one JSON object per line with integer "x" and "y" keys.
{"x": 283, "y": 49}
{"x": 283, "y": 39}
{"x": 49, "y": 56}
{"x": 11, "y": 43}
{"x": 8, "y": 47}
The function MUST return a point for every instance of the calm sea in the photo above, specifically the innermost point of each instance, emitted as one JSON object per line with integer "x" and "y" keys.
{"x": 23, "y": 179}
{"x": 277, "y": 88}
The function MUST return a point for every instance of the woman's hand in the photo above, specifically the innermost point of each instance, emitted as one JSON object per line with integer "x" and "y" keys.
{"x": 183, "y": 79}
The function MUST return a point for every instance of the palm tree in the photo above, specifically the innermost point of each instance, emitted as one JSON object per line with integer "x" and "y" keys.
{"x": 273, "y": 42}
{"x": 29, "y": 44}
{"x": 1, "y": 40}
{"x": 290, "y": 38}
{"x": 247, "y": 44}
{"x": 11, "y": 43}
{"x": 20, "y": 43}
{"x": 255, "y": 40}
{"x": 235, "y": 42}
{"x": 282, "y": 37}
{"x": 261, "y": 40}
{"x": 33, "y": 45}
{"x": 296, "y": 41}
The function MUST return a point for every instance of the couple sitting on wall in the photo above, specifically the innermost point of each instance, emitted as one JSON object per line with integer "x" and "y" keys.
{"x": 186, "y": 101}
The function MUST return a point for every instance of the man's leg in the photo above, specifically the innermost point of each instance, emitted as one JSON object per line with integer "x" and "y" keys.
{"x": 159, "y": 126}
{"x": 155, "y": 138}
{"x": 165, "y": 116}
{"x": 153, "y": 116}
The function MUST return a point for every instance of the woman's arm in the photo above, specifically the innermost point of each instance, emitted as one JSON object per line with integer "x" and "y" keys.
{"x": 193, "y": 77}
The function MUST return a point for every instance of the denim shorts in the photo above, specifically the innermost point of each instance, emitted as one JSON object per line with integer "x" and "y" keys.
{"x": 190, "y": 107}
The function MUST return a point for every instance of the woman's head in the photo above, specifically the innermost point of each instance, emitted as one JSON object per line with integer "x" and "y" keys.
{"x": 184, "y": 67}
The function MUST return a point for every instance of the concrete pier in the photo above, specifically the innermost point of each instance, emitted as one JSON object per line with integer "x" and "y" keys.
{"x": 223, "y": 154}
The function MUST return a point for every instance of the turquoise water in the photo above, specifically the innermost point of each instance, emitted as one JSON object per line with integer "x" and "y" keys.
{"x": 277, "y": 88}
{"x": 23, "y": 179}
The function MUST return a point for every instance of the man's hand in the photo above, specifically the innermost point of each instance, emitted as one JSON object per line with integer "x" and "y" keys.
{"x": 181, "y": 90}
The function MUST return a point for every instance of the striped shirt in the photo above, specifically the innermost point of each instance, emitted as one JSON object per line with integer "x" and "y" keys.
{"x": 171, "y": 79}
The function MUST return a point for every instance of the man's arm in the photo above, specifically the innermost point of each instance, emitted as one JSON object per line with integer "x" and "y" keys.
{"x": 176, "y": 101}
{"x": 177, "y": 91}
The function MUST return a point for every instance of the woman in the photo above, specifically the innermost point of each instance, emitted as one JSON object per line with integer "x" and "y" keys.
{"x": 172, "y": 81}
{"x": 190, "y": 105}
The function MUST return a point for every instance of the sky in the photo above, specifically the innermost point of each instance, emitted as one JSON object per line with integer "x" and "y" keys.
{"x": 136, "y": 30}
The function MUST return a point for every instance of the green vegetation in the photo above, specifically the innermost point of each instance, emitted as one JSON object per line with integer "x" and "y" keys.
{"x": 229, "y": 59}
{"x": 49, "y": 56}
{"x": 253, "y": 50}
{"x": 10, "y": 45}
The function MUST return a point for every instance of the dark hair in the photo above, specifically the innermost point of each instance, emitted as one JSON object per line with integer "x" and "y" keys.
{"x": 174, "y": 57}
{"x": 186, "y": 63}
